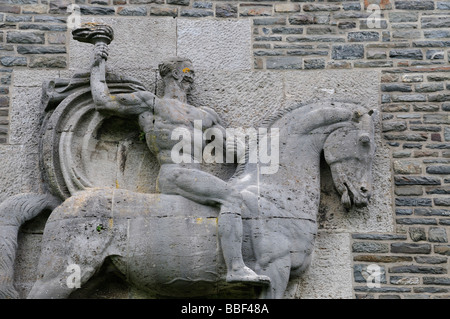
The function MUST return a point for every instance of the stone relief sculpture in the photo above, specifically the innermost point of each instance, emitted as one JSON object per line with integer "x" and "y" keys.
{"x": 196, "y": 234}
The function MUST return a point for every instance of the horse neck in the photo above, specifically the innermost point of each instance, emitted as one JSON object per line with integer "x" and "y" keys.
{"x": 302, "y": 135}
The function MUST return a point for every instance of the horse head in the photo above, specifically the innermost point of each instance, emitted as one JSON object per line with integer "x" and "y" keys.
{"x": 349, "y": 152}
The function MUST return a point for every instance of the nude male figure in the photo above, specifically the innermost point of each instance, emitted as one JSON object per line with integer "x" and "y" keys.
{"x": 158, "y": 117}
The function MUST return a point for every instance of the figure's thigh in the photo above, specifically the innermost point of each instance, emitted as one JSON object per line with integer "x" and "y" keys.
{"x": 196, "y": 185}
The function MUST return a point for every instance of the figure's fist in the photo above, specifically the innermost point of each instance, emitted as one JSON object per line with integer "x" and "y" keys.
{"x": 101, "y": 52}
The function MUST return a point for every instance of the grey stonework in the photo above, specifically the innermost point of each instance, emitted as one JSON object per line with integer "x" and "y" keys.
{"x": 411, "y": 71}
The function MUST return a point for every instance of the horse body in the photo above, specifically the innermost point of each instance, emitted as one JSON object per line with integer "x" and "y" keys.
{"x": 168, "y": 245}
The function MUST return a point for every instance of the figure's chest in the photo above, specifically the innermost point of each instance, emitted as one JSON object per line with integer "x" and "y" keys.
{"x": 176, "y": 112}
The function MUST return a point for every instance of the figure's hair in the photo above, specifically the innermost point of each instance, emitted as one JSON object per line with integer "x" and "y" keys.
{"x": 170, "y": 64}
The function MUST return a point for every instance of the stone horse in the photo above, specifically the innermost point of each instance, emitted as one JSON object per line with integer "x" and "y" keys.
{"x": 167, "y": 245}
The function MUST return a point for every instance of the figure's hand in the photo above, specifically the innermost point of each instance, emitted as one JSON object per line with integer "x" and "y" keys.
{"x": 101, "y": 52}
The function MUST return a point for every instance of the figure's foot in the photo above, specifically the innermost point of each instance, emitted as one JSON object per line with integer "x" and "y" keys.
{"x": 246, "y": 275}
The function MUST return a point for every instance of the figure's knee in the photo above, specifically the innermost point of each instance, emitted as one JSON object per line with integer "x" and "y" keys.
{"x": 233, "y": 202}
{"x": 168, "y": 179}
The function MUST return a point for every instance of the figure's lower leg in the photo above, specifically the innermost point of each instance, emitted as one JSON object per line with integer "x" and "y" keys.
{"x": 230, "y": 234}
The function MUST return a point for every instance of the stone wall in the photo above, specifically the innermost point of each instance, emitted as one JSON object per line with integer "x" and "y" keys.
{"x": 253, "y": 58}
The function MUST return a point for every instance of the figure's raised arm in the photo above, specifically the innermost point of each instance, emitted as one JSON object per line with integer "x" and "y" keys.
{"x": 126, "y": 104}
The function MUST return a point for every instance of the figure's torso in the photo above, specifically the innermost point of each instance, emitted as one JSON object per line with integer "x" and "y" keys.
{"x": 170, "y": 116}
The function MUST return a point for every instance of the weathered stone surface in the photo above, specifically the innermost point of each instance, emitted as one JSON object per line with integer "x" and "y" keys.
{"x": 407, "y": 201}
{"x": 442, "y": 201}
{"x": 215, "y": 45}
{"x": 416, "y": 180}
{"x": 415, "y": 54}
{"x": 431, "y": 259}
{"x": 13, "y": 61}
{"x": 418, "y": 269}
{"x": 404, "y": 280}
{"x": 379, "y": 236}
{"x": 256, "y": 94}
{"x": 438, "y": 169}
{"x": 127, "y": 57}
{"x": 363, "y": 36}
{"x": 417, "y": 221}
{"x": 437, "y": 235}
{"x": 284, "y": 63}
{"x": 414, "y": 5}
{"x": 226, "y": 10}
{"x": 361, "y": 274}
{"x": 48, "y": 62}
{"x": 302, "y": 19}
{"x": 314, "y": 64}
{"x": 336, "y": 247}
{"x": 442, "y": 249}
{"x": 41, "y": 49}
{"x": 417, "y": 233}
{"x": 435, "y": 22}
{"x": 25, "y": 37}
{"x": 138, "y": 11}
{"x": 370, "y": 247}
{"x": 348, "y": 52}
{"x": 396, "y": 88}
{"x": 407, "y": 167}
{"x": 401, "y": 16}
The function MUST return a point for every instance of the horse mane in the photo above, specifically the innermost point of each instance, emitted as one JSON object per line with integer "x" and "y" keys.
{"x": 270, "y": 120}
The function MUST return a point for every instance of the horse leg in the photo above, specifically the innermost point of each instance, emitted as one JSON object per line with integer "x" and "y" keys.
{"x": 278, "y": 271}
{"x": 58, "y": 278}
{"x": 274, "y": 262}
{"x": 73, "y": 249}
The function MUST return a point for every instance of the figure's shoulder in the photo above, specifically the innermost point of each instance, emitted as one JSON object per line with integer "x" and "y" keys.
{"x": 147, "y": 97}
{"x": 211, "y": 112}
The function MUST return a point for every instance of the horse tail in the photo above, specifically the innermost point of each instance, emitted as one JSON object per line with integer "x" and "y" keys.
{"x": 15, "y": 211}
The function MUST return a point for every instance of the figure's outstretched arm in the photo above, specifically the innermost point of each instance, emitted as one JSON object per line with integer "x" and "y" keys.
{"x": 126, "y": 104}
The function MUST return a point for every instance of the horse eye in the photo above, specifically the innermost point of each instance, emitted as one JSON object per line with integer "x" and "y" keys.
{"x": 364, "y": 139}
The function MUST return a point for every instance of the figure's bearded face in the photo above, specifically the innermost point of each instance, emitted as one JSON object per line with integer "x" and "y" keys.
{"x": 186, "y": 76}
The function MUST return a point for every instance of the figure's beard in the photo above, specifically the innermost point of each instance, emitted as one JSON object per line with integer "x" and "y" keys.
{"x": 186, "y": 84}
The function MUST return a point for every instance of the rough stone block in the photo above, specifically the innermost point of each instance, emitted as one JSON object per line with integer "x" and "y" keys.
{"x": 407, "y": 167}
{"x": 25, "y": 115}
{"x": 382, "y": 4}
{"x": 330, "y": 274}
{"x": 415, "y": 5}
{"x": 442, "y": 249}
{"x": 439, "y": 169}
{"x": 414, "y": 54}
{"x": 416, "y": 180}
{"x": 401, "y": 16}
{"x": 410, "y": 248}
{"x": 10, "y": 61}
{"x": 370, "y": 247}
{"x": 216, "y": 45}
{"x": 314, "y": 64}
{"x": 348, "y": 52}
{"x": 226, "y": 10}
{"x": 435, "y": 22}
{"x": 25, "y": 37}
{"x": 240, "y": 98}
{"x": 361, "y": 274}
{"x": 154, "y": 39}
{"x": 363, "y": 36}
{"x": 417, "y": 233}
{"x": 437, "y": 235}
{"x": 284, "y": 63}
{"x": 48, "y": 62}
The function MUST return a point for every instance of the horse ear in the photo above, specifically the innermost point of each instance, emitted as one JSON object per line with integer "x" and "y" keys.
{"x": 356, "y": 116}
